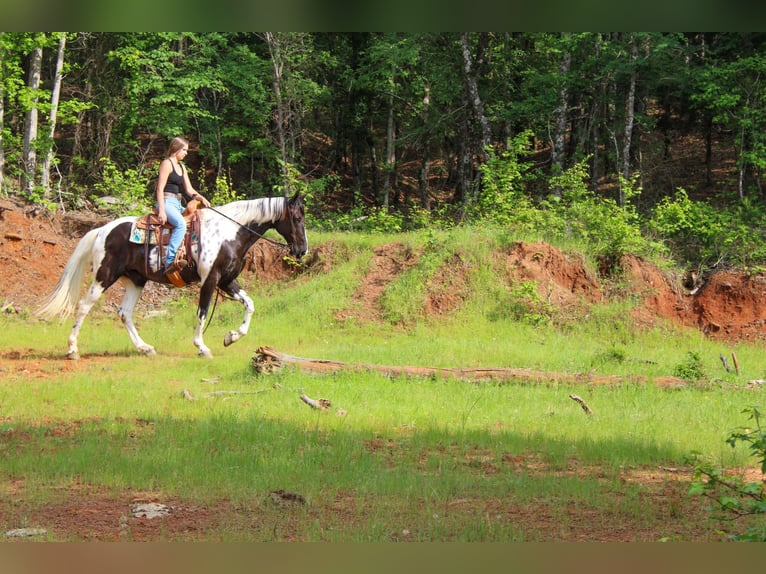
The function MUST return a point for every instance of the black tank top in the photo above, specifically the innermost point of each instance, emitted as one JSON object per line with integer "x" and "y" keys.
{"x": 175, "y": 183}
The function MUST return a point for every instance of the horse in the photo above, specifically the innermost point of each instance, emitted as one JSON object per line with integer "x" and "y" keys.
{"x": 226, "y": 234}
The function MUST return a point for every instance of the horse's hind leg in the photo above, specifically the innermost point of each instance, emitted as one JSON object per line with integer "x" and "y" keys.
{"x": 129, "y": 299}
{"x": 238, "y": 294}
{"x": 83, "y": 308}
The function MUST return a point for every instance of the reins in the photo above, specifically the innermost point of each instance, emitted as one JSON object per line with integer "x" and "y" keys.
{"x": 260, "y": 235}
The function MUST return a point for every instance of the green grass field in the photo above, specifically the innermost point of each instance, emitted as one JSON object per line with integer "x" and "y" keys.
{"x": 401, "y": 458}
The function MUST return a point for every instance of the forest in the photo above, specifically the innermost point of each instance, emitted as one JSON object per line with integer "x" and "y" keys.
{"x": 402, "y": 130}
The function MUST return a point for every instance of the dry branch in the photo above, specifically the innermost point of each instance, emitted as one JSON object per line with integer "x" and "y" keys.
{"x": 736, "y": 362}
{"x": 267, "y": 359}
{"x": 322, "y": 404}
{"x": 583, "y": 404}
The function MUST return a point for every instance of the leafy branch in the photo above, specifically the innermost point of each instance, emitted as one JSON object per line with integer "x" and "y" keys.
{"x": 732, "y": 494}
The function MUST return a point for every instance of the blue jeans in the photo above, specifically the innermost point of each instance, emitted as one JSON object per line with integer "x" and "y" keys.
{"x": 173, "y": 210}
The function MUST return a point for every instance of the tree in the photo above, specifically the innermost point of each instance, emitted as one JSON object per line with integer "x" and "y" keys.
{"x": 30, "y": 128}
{"x": 735, "y": 94}
{"x": 561, "y": 114}
{"x": 472, "y": 65}
{"x": 48, "y": 161}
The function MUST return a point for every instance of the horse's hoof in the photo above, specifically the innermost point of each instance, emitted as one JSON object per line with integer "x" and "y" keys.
{"x": 148, "y": 351}
{"x": 73, "y": 356}
{"x": 228, "y": 339}
{"x": 205, "y": 353}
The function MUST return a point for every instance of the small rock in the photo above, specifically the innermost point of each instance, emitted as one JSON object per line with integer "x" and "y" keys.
{"x": 150, "y": 510}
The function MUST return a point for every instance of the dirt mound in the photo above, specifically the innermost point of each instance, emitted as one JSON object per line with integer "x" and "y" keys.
{"x": 35, "y": 246}
{"x": 33, "y": 251}
{"x": 387, "y": 263}
{"x": 561, "y": 279}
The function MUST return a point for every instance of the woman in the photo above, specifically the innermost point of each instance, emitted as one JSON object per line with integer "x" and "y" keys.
{"x": 173, "y": 182}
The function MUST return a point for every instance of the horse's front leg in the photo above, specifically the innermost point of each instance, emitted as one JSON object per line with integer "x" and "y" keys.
{"x": 205, "y": 297}
{"x": 238, "y": 294}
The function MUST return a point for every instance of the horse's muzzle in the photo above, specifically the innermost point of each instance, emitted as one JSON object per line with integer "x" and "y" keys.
{"x": 298, "y": 252}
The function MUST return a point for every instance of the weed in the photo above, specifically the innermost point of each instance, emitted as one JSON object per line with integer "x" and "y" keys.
{"x": 691, "y": 368}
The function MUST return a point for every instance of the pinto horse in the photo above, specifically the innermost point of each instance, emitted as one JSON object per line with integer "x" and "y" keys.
{"x": 226, "y": 234}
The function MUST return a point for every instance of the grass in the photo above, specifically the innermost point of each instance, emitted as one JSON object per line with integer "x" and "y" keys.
{"x": 393, "y": 459}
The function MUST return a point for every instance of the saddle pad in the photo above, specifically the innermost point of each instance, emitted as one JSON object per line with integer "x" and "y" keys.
{"x": 142, "y": 236}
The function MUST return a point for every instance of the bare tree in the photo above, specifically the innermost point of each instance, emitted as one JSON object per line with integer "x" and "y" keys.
{"x": 30, "y": 133}
{"x": 475, "y": 104}
{"x": 48, "y": 161}
{"x": 558, "y": 147}
{"x": 630, "y": 113}
{"x": 2, "y": 111}
{"x": 278, "y": 63}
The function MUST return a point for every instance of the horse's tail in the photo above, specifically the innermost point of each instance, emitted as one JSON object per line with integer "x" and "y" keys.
{"x": 63, "y": 299}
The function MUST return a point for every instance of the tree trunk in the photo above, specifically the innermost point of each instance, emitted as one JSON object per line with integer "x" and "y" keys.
{"x": 472, "y": 101}
{"x": 278, "y": 64}
{"x": 425, "y": 152}
{"x": 48, "y": 161}
{"x": 390, "y": 171}
{"x": 474, "y": 98}
{"x": 558, "y": 144}
{"x": 2, "y": 115}
{"x": 630, "y": 111}
{"x": 30, "y": 132}
{"x": 596, "y": 119}
{"x": 268, "y": 360}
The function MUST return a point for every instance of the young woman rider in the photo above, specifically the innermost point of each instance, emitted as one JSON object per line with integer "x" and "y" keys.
{"x": 173, "y": 182}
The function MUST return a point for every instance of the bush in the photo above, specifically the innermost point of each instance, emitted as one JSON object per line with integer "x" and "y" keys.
{"x": 128, "y": 190}
{"x": 700, "y": 235}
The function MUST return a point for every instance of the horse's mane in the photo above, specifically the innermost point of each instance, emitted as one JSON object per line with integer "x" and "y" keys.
{"x": 255, "y": 210}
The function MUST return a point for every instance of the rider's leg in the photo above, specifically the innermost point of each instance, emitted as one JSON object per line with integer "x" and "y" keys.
{"x": 173, "y": 211}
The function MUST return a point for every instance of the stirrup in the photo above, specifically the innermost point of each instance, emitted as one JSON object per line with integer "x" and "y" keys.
{"x": 174, "y": 276}
{"x": 176, "y": 266}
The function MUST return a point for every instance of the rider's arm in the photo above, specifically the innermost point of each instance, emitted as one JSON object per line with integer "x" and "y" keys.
{"x": 162, "y": 179}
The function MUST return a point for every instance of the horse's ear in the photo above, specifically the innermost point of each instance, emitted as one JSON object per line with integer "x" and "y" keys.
{"x": 296, "y": 196}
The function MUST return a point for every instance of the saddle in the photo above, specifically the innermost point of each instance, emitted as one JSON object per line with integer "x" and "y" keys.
{"x": 148, "y": 231}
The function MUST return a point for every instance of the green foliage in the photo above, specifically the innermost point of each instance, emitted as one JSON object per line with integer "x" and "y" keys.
{"x": 127, "y": 187}
{"x": 734, "y": 496}
{"x": 608, "y": 230}
{"x": 524, "y": 304}
{"x": 125, "y": 93}
{"x": 691, "y": 368}
{"x": 502, "y": 199}
{"x": 222, "y": 193}
{"x": 702, "y": 235}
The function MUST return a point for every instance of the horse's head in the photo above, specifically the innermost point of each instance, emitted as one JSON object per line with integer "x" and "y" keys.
{"x": 292, "y": 227}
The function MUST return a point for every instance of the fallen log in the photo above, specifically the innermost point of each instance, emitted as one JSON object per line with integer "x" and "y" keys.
{"x": 267, "y": 360}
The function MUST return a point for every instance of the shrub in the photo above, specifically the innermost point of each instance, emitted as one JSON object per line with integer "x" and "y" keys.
{"x": 128, "y": 188}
